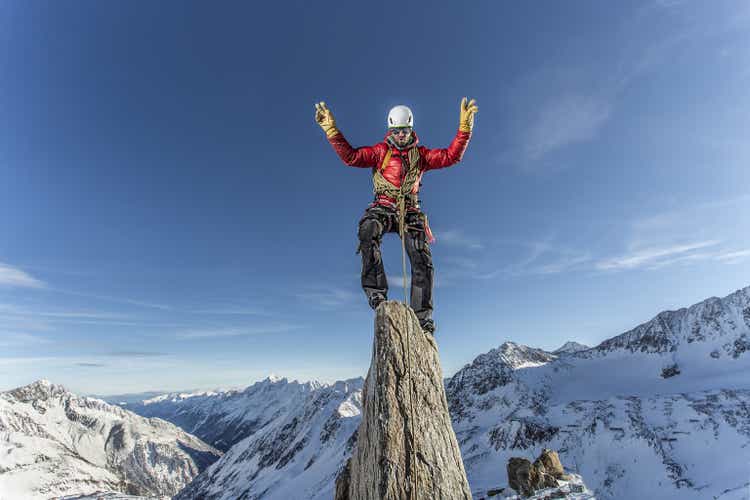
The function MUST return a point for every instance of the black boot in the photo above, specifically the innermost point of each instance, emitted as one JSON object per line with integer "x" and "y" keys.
{"x": 428, "y": 326}
{"x": 376, "y": 299}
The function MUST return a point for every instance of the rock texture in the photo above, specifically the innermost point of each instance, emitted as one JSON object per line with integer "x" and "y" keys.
{"x": 406, "y": 448}
{"x": 550, "y": 461}
{"x": 342, "y": 482}
{"x": 526, "y": 478}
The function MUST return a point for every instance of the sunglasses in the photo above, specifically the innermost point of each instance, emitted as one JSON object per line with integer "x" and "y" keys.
{"x": 397, "y": 131}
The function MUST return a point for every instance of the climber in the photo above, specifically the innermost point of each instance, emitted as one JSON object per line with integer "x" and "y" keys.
{"x": 398, "y": 163}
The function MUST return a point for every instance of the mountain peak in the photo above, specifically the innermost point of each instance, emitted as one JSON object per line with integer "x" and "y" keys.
{"x": 496, "y": 368}
{"x": 570, "y": 347}
{"x": 713, "y": 320}
{"x": 42, "y": 389}
{"x": 518, "y": 355}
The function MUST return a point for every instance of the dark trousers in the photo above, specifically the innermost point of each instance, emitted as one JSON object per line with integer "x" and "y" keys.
{"x": 374, "y": 223}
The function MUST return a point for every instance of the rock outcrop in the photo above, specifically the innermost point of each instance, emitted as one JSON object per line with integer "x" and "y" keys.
{"x": 543, "y": 479}
{"x": 526, "y": 478}
{"x": 406, "y": 447}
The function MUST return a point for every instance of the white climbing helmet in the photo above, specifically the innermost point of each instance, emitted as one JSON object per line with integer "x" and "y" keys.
{"x": 400, "y": 116}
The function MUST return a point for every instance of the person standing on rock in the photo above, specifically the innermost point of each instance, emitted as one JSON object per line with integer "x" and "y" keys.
{"x": 398, "y": 163}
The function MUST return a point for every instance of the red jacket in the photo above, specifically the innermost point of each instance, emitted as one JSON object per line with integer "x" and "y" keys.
{"x": 372, "y": 156}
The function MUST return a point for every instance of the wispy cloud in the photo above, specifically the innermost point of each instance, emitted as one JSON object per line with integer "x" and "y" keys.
{"x": 570, "y": 102}
{"x": 18, "y": 310}
{"x": 36, "y": 360}
{"x": 670, "y": 236}
{"x": 653, "y": 256}
{"x": 458, "y": 262}
{"x": 565, "y": 120}
{"x": 13, "y": 339}
{"x": 91, "y": 365}
{"x": 734, "y": 256}
{"x": 329, "y": 298}
{"x": 541, "y": 257}
{"x": 456, "y": 237}
{"x": 136, "y": 354}
{"x": 15, "y": 277}
{"x": 563, "y": 263}
{"x": 235, "y": 332}
{"x": 233, "y": 311}
{"x": 19, "y": 316}
{"x": 686, "y": 217}
{"x": 80, "y": 314}
{"x": 109, "y": 298}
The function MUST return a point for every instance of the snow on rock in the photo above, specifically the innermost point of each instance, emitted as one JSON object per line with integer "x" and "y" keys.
{"x": 573, "y": 488}
{"x": 54, "y": 443}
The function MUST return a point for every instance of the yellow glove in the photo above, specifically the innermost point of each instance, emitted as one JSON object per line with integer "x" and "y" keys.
{"x": 324, "y": 117}
{"x": 466, "y": 119}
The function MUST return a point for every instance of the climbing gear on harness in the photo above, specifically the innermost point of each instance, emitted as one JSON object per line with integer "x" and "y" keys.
{"x": 400, "y": 116}
{"x": 400, "y": 194}
{"x": 324, "y": 117}
{"x": 381, "y": 186}
{"x": 466, "y": 116}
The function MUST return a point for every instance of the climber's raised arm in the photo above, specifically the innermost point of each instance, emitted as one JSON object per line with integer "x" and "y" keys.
{"x": 366, "y": 156}
{"x": 440, "y": 158}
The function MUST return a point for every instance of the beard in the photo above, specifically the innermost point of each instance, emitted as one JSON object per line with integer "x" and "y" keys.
{"x": 403, "y": 140}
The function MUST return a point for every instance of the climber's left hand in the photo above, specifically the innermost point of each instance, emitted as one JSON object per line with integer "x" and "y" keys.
{"x": 466, "y": 118}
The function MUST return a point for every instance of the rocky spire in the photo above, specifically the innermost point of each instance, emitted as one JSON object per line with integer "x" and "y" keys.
{"x": 406, "y": 447}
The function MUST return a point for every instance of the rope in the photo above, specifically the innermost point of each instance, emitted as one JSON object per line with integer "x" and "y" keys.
{"x": 382, "y": 186}
{"x": 401, "y": 201}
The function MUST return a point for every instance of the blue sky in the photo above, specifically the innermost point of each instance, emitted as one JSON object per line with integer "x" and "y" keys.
{"x": 172, "y": 216}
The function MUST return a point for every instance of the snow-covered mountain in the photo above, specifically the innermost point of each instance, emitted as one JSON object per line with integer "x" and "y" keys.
{"x": 661, "y": 411}
{"x": 223, "y": 418}
{"x": 570, "y": 347}
{"x": 55, "y": 443}
{"x": 304, "y": 435}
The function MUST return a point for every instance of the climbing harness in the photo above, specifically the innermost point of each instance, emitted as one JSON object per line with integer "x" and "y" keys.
{"x": 381, "y": 186}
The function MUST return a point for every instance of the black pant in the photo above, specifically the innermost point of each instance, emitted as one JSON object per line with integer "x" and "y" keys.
{"x": 379, "y": 220}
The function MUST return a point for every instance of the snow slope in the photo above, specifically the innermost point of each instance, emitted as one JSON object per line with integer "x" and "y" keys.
{"x": 54, "y": 443}
{"x": 297, "y": 454}
{"x": 222, "y": 418}
{"x": 661, "y": 411}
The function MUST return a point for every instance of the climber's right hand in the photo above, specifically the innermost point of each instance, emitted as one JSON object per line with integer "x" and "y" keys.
{"x": 324, "y": 117}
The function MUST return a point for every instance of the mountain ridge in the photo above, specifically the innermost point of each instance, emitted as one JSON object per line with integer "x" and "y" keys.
{"x": 55, "y": 442}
